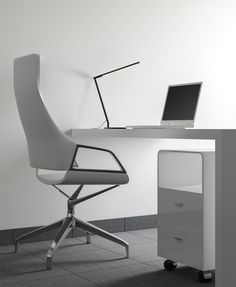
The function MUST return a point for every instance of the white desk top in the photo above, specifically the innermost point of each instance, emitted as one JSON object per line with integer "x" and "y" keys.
{"x": 151, "y": 133}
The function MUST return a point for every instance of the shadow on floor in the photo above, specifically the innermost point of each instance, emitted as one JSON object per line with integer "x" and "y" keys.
{"x": 181, "y": 277}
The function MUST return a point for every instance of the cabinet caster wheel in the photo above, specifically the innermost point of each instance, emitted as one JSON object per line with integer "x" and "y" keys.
{"x": 205, "y": 276}
{"x": 170, "y": 265}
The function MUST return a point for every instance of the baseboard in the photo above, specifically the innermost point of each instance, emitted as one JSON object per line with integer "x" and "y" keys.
{"x": 8, "y": 236}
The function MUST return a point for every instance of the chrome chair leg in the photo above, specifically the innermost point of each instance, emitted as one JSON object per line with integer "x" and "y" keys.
{"x": 88, "y": 237}
{"x": 94, "y": 229}
{"x": 37, "y": 231}
{"x": 61, "y": 235}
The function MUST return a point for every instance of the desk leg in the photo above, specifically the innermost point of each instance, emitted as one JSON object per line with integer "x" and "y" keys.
{"x": 218, "y": 212}
{"x": 226, "y": 209}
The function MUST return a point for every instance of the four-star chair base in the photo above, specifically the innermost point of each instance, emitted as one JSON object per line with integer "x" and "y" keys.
{"x": 70, "y": 222}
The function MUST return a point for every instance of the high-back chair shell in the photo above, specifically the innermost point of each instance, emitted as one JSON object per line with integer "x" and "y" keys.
{"x": 48, "y": 147}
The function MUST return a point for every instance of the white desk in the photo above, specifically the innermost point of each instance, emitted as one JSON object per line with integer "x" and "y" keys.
{"x": 225, "y": 145}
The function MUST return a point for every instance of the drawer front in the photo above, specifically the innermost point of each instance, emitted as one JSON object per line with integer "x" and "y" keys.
{"x": 180, "y": 208}
{"x": 171, "y": 200}
{"x": 181, "y": 245}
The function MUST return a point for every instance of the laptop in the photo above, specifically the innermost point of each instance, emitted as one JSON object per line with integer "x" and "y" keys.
{"x": 180, "y": 107}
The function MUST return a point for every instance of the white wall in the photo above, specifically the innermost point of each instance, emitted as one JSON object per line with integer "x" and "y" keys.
{"x": 175, "y": 41}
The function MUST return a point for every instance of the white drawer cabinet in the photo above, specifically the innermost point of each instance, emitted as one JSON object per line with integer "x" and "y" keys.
{"x": 186, "y": 209}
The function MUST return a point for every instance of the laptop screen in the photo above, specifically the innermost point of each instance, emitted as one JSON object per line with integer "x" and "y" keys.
{"x": 181, "y": 102}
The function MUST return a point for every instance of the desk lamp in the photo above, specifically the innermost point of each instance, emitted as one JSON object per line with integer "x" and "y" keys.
{"x": 99, "y": 93}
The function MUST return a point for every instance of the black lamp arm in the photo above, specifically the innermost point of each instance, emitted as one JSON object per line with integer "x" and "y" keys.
{"x": 101, "y": 100}
{"x": 115, "y": 70}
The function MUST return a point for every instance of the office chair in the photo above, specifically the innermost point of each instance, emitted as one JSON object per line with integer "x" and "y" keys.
{"x": 51, "y": 150}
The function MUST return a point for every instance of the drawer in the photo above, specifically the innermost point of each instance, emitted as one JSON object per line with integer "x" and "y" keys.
{"x": 174, "y": 201}
{"x": 181, "y": 245}
{"x": 180, "y": 208}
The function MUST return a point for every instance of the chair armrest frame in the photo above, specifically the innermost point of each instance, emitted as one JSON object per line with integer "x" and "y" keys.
{"x": 122, "y": 169}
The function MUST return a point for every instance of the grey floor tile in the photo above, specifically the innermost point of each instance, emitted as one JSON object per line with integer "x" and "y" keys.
{"x": 159, "y": 263}
{"x": 69, "y": 246}
{"x": 132, "y": 239}
{"x": 141, "y": 253}
{"x": 24, "y": 266}
{"x": 46, "y": 235}
{"x": 126, "y": 276}
{"x": 59, "y": 281}
{"x": 146, "y": 233}
{"x": 94, "y": 260}
{"x": 145, "y": 252}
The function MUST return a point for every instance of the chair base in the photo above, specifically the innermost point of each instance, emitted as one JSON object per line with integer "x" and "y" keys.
{"x": 65, "y": 225}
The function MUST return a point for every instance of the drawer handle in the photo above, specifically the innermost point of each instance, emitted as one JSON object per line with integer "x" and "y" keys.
{"x": 178, "y": 238}
{"x": 180, "y": 204}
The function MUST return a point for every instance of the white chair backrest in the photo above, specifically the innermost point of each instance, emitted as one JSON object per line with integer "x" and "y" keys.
{"x": 48, "y": 147}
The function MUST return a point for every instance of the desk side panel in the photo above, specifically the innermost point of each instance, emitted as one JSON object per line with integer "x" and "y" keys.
{"x": 226, "y": 206}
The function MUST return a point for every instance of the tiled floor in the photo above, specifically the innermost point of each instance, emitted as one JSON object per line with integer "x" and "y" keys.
{"x": 101, "y": 263}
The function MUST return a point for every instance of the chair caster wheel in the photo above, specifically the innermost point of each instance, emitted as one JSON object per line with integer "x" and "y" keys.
{"x": 170, "y": 265}
{"x": 205, "y": 276}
